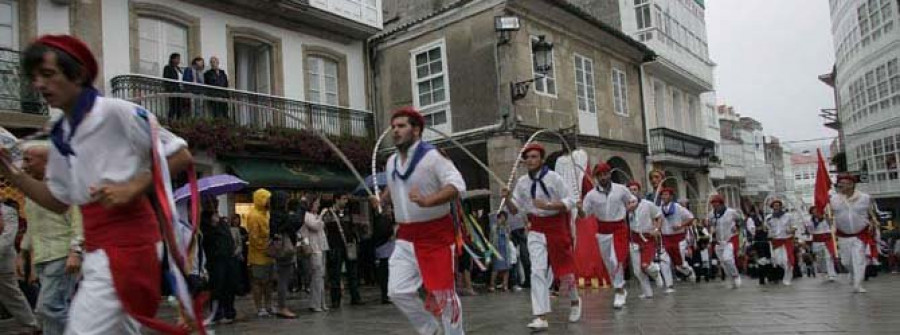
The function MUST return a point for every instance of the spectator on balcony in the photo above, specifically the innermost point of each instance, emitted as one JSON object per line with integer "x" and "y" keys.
{"x": 216, "y": 77}
{"x": 194, "y": 74}
{"x": 173, "y": 72}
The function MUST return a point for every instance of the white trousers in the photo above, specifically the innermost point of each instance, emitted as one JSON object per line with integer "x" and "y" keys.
{"x": 643, "y": 279}
{"x": 96, "y": 308}
{"x": 541, "y": 275}
{"x": 854, "y": 257}
{"x": 404, "y": 281}
{"x": 781, "y": 259}
{"x": 608, "y": 252}
{"x": 820, "y": 249}
{"x": 725, "y": 252}
{"x": 665, "y": 264}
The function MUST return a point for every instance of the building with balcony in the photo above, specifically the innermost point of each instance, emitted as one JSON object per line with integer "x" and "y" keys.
{"x": 674, "y": 85}
{"x": 867, "y": 83}
{"x": 805, "y": 166}
{"x": 448, "y": 60}
{"x": 732, "y": 149}
{"x": 292, "y": 66}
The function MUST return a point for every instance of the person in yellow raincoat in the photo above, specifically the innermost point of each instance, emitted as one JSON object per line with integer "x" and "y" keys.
{"x": 261, "y": 265}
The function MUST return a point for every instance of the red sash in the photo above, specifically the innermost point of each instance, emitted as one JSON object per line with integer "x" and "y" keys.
{"x": 559, "y": 242}
{"x": 128, "y": 235}
{"x": 588, "y": 264}
{"x": 866, "y": 237}
{"x": 671, "y": 244}
{"x": 433, "y": 243}
{"x": 647, "y": 245}
{"x": 788, "y": 244}
{"x": 829, "y": 242}
{"x": 619, "y": 231}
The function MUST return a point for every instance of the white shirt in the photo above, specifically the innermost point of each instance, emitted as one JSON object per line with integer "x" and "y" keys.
{"x": 112, "y": 145}
{"x": 851, "y": 215}
{"x": 780, "y": 227}
{"x": 608, "y": 206}
{"x": 643, "y": 216}
{"x": 824, "y": 227}
{"x": 557, "y": 188}
{"x": 672, "y": 221}
{"x": 430, "y": 176}
{"x": 726, "y": 225}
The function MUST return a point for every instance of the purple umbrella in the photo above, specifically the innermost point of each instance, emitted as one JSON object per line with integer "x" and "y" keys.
{"x": 212, "y": 186}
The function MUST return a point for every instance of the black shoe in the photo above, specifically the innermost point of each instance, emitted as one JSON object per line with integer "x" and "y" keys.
{"x": 357, "y": 303}
{"x": 386, "y": 301}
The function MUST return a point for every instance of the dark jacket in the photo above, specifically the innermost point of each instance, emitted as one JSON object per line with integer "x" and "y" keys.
{"x": 191, "y": 75}
{"x": 383, "y": 229}
{"x": 171, "y": 72}
{"x": 222, "y": 264}
{"x": 333, "y": 233}
{"x": 215, "y": 78}
{"x": 281, "y": 220}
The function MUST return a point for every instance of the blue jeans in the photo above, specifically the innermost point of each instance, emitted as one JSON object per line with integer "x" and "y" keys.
{"x": 57, "y": 289}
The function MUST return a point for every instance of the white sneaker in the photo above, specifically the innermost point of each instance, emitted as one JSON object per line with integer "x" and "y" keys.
{"x": 652, "y": 270}
{"x": 538, "y": 324}
{"x": 619, "y": 300}
{"x": 670, "y": 290}
{"x": 832, "y": 278}
{"x": 575, "y": 312}
{"x": 645, "y": 296}
{"x": 737, "y": 282}
{"x": 860, "y": 290}
{"x": 786, "y": 282}
{"x": 263, "y": 313}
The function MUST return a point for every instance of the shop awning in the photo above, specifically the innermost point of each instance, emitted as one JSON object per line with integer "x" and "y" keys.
{"x": 273, "y": 173}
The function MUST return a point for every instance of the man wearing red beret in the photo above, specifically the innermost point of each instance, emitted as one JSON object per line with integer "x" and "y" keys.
{"x": 781, "y": 230}
{"x": 421, "y": 184}
{"x": 724, "y": 223}
{"x": 547, "y": 200}
{"x": 851, "y": 210}
{"x": 645, "y": 225}
{"x": 609, "y": 203}
{"x": 822, "y": 241}
{"x": 107, "y": 158}
{"x": 674, "y": 230}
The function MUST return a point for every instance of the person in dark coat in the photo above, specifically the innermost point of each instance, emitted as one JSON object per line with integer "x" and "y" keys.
{"x": 341, "y": 232}
{"x": 222, "y": 260}
{"x": 174, "y": 72}
{"x": 216, "y": 77}
{"x": 283, "y": 225}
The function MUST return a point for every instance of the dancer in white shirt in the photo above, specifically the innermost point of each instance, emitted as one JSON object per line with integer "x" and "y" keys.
{"x": 724, "y": 224}
{"x": 610, "y": 202}
{"x": 645, "y": 223}
{"x": 546, "y": 200}
{"x": 823, "y": 245}
{"x": 677, "y": 219}
{"x": 781, "y": 231}
{"x": 421, "y": 184}
{"x": 851, "y": 210}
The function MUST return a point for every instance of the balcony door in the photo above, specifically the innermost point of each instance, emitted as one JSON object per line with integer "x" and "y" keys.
{"x": 157, "y": 40}
{"x": 253, "y": 73}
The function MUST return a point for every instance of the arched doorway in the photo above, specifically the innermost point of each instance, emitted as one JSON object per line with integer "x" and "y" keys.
{"x": 618, "y": 164}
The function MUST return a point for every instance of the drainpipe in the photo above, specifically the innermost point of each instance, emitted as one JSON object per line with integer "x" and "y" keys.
{"x": 646, "y": 131}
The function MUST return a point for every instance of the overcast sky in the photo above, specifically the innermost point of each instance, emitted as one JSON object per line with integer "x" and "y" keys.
{"x": 769, "y": 54}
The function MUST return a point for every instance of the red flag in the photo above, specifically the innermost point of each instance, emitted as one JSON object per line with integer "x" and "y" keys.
{"x": 823, "y": 185}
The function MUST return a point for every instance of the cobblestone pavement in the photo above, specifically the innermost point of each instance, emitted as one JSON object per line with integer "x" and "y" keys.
{"x": 809, "y": 306}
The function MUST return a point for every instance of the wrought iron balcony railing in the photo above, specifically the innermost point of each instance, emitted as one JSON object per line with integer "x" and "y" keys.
{"x": 664, "y": 141}
{"x": 16, "y": 94}
{"x": 171, "y": 100}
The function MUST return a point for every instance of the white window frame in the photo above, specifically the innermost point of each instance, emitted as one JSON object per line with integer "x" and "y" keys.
{"x": 14, "y": 23}
{"x": 163, "y": 50}
{"x": 589, "y": 86}
{"x": 543, "y": 78}
{"x": 620, "y": 87}
{"x": 432, "y": 108}
{"x": 323, "y": 90}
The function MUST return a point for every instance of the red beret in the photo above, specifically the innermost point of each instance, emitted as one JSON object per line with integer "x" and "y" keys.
{"x": 846, "y": 176}
{"x": 634, "y": 183}
{"x": 668, "y": 190}
{"x": 772, "y": 203}
{"x": 602, "y": 168}
{"x": 414, "y": 116}
{"x": 534, "y": 146}
{"x": 75, "y": 48}
{"x": 717, "y": 198}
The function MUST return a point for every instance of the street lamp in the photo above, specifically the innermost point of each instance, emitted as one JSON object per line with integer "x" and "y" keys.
{"x": 542, "y": 52}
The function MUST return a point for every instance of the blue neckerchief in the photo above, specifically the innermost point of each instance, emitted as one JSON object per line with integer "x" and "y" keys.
{"x": 421, "y": 150}
{"x": 668, "y": 209}
{"x": 539, "y": 180}
{"x": 815, "y": 222}
{"x": 82, "y": 107}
